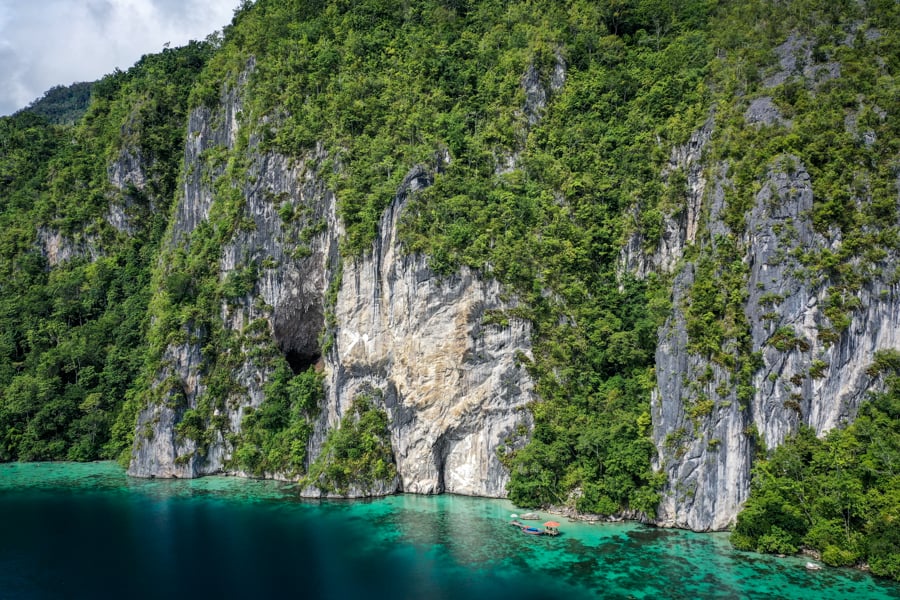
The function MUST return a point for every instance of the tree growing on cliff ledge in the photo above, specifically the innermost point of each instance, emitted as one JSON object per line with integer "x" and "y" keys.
{"x": 839, "y": 496}
{"x": 552, "y": 132}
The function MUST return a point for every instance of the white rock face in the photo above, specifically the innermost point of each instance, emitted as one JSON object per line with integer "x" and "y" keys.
{"x": 815, "y": 380}
{"x": 451, "y": 385}
{"x": 159, "y": 451}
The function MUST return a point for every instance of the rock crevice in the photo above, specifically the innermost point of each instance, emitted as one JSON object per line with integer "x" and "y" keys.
{"x": 442, "y": 375}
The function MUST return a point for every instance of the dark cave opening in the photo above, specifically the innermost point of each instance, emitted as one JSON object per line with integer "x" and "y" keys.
{"x": 300, "y": 361}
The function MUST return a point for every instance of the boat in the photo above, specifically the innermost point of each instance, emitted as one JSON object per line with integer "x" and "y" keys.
{"x": 551, "y": 528}
{"x": 530, "y": 517}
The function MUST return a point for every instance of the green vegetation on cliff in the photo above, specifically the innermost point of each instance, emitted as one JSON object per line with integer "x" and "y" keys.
{"x": 534, "y": 181}
{"x": 833, "y": 120}
{"x": 274, "y": 437}
{"x": 549, "y": 129}
{"x": 539, "y": 185}
{"x": 840, "y": 495}
{"x": 357, "y": 454}
{"x": 74, "y": 291}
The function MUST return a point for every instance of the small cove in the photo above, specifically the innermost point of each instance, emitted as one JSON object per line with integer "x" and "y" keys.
{"x": 88, "y": 531}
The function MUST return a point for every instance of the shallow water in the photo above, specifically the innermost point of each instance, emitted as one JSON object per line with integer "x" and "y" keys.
{"x": 88, "y": 531}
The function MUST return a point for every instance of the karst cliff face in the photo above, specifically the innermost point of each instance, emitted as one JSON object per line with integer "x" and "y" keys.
{"x": 804, "y": 369}
{"x": 427, "y": 350}
{"x": 807, "y": 374}
{"x": 451, "y": 384}
{"x": 601, "y": 260}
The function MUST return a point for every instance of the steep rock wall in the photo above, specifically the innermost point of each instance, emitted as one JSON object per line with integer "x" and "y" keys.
{"x": 127, "y": 175}
{"x": 680, "y": 224}
{"x": 287, "y": 296}
{"x": 450, "y": 384}
{"x": 706, "y": 459}
{"x": 158, "y": 447}
{"x": 808, "y": 374}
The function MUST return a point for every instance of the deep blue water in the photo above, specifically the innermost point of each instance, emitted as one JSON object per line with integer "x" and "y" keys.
{"x": 88, "y": 531}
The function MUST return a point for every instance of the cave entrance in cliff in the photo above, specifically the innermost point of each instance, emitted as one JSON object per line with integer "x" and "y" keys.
{"x": 300, "y": 361}
{"x": 296, "y": 330}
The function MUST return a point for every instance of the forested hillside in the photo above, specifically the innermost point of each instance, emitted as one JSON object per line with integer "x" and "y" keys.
{"x": 63, "y": 105}
{"x": 692, "y": 204}
{"x": 75, "y": 280}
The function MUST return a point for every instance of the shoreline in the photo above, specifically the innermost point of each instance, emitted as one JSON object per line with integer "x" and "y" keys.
{"x": 559, "y": 511}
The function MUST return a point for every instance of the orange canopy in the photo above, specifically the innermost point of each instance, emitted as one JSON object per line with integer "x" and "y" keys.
{"x": 551, "y": 524}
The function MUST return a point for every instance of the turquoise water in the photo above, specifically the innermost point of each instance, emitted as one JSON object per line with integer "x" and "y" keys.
{"x": 88, "y": 531}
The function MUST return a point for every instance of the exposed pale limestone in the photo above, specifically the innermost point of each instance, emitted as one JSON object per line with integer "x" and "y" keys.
{"x": 451, "y": 385}
{"x": 809, "y": 381}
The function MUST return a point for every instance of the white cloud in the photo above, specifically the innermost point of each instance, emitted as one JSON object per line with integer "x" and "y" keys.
{"x": 50, "y": 42}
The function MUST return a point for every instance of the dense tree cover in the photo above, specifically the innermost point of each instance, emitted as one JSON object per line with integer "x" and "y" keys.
{"x": 74, "y": 331}
{"x": 538, "y": 189}
{"x": 358, "y": 453}
{"x": 542, "y": 205}
{"x": 840, "y": 495}
{"x": 63, "y": 104}
{"x": 274, "y": 437}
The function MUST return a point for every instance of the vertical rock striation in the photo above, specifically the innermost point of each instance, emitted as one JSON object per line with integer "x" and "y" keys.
{"x": 285, "y": 309}
{"x": 705, "y": 457}
{"x": 809, "y": 371}
{"x": 680, "y": 224}
{"x": 450, "y": 382}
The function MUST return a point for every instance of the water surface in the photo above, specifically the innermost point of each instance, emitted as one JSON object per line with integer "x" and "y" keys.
{"x": 88, "y": 531}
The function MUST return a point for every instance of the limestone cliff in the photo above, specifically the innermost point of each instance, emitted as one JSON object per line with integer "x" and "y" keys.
{"x": 450, "y": 383}
{"x": 681, "y": 223}
{"x": 441, "y": 355}
{"x": 805, "y": 371}
{"x": 798, "y": 348}
{"x": 247, "y": 256}
{"x": 287, "y": 296}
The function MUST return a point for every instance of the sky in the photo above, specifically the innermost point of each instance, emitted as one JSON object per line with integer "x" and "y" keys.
{"x": 44, "y": 43}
